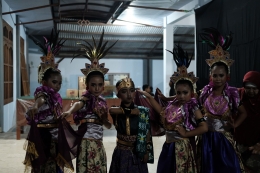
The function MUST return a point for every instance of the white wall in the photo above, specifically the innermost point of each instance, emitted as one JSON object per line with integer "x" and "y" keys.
{"x": 10, "y": 109}
{"x": 71, "y": 70}
{"x": 157, "y": 75}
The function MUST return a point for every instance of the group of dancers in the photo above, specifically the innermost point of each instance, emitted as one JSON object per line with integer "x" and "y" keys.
{"x": 201, "y": 128}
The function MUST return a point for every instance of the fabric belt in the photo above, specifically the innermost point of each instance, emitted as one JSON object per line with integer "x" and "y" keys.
{"x": 91, "y": 120}
{"x": 129, "y": 144}
{"x": 47, "y": 125}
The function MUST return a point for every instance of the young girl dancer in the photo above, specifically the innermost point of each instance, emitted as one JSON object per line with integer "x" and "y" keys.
{"x": 182, "y": 120}
{"x": 134, "y": 143}
{"x": 90, "y": 112}
{"x": 220, "y": 102}
{"x": 42, "y": 141}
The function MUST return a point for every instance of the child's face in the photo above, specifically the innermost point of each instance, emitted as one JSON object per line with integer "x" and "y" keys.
{"x": 54, "y": 82}
{"x": 127, "y": 95}
{"x": 219, "y": 76}
{"x": 183, "y": 93}
{"x": 95, "y": 85}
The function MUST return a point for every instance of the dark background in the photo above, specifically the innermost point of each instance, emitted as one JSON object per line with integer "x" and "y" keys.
{"x": 242, "y": 18}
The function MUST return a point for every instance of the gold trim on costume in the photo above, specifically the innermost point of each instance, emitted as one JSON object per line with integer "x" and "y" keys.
{"x": 91, "y": 120}
{"x": 47, "y": 125}
{"x": 127, "y": 125}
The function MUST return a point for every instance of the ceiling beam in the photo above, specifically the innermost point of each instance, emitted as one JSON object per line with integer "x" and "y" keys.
{"x": 79, "y": 11}
{"x": 95, "y": 4}
{"x": 36, "y": 21}
{"x": 28, "y": 9}
{"x": 113, "y": 10}
{"x": 122, "y": 56}
{"x": 76, "y": 39}
{"x": 147, "y": 41}
{"x": 118, "y": 11}
{"x": 113, "y": 34}
{"x": 155, "y": 8}
{"x": 120, "y": 48}
{"x": 113, "y": 19}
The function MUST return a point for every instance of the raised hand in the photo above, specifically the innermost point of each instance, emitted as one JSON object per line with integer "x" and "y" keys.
{"x": 181, "y": 130}
{"x": 255, "y": 149}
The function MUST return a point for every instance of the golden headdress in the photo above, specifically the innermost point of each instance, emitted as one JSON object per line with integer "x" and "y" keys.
{"x": 182, "y": 61}
{"x": 94, "y": 54}
{"x": 215, "y": 40}
{"x": 125, "y": 83}
{"x": 50, "y": 48}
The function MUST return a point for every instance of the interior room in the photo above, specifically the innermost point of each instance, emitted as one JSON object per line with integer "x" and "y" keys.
{"x": 144, "y": 31}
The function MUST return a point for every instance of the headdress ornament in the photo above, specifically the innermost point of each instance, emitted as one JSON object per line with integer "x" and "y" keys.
{"x": 215, "y": 40}
{"x": 50, "y": 48}
{"x": 94, "y": 53}
{"x": 125, "y": 83}
{"x": 182, "y": 61}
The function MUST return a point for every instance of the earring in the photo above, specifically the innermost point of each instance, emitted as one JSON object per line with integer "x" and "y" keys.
{"x": 210, "y": 78}
{"x": 192, "y": 95}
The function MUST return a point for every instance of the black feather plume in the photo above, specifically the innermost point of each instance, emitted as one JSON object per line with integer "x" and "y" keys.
{"x": 212, "y": 37}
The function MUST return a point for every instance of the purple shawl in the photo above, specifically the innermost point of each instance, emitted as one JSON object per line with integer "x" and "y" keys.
{"x": 53, "y": 100}
{"x": 92, "y": 103}
{"x": 188, "y": 108}
{"x": 230, "y": 93}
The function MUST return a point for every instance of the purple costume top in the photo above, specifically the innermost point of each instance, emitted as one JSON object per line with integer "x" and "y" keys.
{"x": 94, "y": 131}
{"x": 49, "y": 111}
{"x": 219, "y": 109}
{"x": 177, "y": 114}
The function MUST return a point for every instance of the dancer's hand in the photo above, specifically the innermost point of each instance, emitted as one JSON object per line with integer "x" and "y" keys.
{"x": 146, "y": 94}
{"x": 255, "y": 149}
{"x": 135, "y": 111}
{"x": 161, "y": 96}
{"x": 145, "y": 158}
{"x": 101, "y": 112}
{"x": 65, "y": 114}
{"x": 181, "y": 130}
{"x": 32, "y": 111}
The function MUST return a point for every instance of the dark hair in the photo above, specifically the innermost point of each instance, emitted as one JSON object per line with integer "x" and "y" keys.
{"x": 145, "y": 86}
{"x": 118, "y": 82}
{"x": 220, "y": 64}
{"x": 94, "y": 73}
{"x": 184, "y": 81}
{"x": 50, "y": 72}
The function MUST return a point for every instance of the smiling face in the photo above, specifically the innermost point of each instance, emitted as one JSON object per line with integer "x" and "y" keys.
{"x": 219, "y": 76}
{"x": 95, "y": 85}
{"x": 183, "y": 92}
{"x": 54, "y": 82}
{"x": 126, "y": 94}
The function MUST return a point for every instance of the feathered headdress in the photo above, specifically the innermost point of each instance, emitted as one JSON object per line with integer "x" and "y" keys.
{"x": 215, "y": 40}
{"x": 182, "y": 61}
{"x": 50, "y": 48}
{"x": 94, "y": 53}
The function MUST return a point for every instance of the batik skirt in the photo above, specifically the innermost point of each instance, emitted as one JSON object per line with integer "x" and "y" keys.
{"x": 177, "y": 157}
{"x": 124, "y": 160}
{"x": 218, "y": 153}
{"x": 91, "y": 157}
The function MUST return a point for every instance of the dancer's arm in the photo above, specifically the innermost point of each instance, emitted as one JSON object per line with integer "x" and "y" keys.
{"x": 202, "y": 126}
{"x": 75, "y": 107}
{"x": 154, "y": 103}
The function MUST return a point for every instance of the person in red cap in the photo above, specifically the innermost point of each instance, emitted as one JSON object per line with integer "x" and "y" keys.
{"x": 247, "y": 134}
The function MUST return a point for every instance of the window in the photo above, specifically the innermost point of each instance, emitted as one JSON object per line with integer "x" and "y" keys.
{"x": 8, "y": 63}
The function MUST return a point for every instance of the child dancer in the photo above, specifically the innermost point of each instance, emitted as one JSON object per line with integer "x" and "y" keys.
{"x": 182, "y": 120}
{"x": 220, "y": 102}
{"x": 42, "y": 141}
{"x": 90, "y": 112}
{"x": 134, "y": 143}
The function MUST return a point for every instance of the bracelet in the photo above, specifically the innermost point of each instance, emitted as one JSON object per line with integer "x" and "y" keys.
{"x": 83, "y": 101}
{"x": 200, "y": 120}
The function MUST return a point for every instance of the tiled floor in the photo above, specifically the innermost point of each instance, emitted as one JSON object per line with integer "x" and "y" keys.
{"x": 12, "y": 153}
